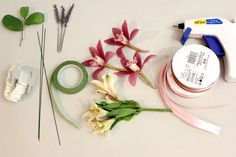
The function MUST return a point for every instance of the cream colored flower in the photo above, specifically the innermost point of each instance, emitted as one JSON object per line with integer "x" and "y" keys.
{"x": 97, "y": 120}
{"x": 94, "y": 112}
{"x": 101, "y": 126}
{"x": 106, "y": 86}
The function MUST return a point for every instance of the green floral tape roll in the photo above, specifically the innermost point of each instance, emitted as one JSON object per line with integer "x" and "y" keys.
{"x": 75, "y": 89}
{"x": 56, "y": 83}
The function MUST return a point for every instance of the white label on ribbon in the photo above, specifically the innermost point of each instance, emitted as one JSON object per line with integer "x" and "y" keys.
{"x": 196, "y": 66}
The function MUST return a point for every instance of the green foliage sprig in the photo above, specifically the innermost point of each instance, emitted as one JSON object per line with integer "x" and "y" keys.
{"x": 103, "y": 115}
{"x": 13, "y": 23}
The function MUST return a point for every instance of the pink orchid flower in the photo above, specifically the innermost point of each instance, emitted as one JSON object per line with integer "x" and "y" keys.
{"x": 122, "y": 38}
{"x": 99, "y": 59}
{"x": 134, "y": 68}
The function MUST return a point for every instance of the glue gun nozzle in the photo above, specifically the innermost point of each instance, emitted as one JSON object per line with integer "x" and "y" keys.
{"x": 180, "y": 26}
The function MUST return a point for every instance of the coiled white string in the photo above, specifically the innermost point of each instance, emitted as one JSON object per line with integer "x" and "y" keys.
{"x": 16, "y": 88}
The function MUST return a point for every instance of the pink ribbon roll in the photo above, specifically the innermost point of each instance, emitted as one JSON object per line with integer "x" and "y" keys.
{"x": 186, "y": 117}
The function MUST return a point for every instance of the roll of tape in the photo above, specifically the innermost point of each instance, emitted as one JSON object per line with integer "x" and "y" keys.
{"x": 75, "y": 89}
{"x": 56, "y": 83}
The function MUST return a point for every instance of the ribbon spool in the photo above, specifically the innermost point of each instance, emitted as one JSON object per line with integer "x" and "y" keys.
{"x": 56, "y": 83}
{"x": 175, "y": 87}
{"x": 192, "y": 71}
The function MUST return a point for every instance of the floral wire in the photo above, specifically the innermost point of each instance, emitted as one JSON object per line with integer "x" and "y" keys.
{"x": 40, "y": 87}
{"x": 42, "y": 51}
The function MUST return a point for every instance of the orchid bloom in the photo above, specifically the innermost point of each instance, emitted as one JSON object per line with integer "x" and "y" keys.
{"x": 99, "y": 59}
{"x": 134, "y": 68}
{"x": 122, "y": 37}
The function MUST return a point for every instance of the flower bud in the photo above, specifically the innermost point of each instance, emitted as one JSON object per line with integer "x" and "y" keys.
{"x": 132, "y": 66}
{"x": 121, "y": 38}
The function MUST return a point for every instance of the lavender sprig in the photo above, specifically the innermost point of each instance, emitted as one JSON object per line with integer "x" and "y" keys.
{"x": 62, "y": 21}
{"x": 62, "y": 27}
{"x": 58, "y": 20}
{"x": 62, "y": 16}
{"x": 56, "y": 12}
{"x": 67, "y": 18}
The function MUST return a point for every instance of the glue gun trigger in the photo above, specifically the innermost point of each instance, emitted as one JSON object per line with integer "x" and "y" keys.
{"x": 214, "y": 44}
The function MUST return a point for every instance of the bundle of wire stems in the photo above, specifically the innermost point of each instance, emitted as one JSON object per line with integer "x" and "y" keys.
{"x": 62, "y": 23}
{"x": 43, "y": 72}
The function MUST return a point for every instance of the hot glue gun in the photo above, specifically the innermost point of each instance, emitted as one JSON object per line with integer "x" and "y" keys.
{"x": 219, "y": 35}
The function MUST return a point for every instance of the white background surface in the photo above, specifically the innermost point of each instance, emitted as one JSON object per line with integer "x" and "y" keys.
{"x": 148, "y": 134}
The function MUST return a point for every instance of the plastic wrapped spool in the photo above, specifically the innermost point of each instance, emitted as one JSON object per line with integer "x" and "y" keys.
{"x": 20, "y": 82}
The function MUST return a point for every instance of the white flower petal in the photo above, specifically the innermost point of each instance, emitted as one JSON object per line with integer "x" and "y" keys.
{"x": 101, "y": 92}
{"x": 99, "y": 84}
{"x": 109, "y": 81}
{"x": 101, "y": 126}
{"x": 94, "y": 112}
{"x": 107, "y": 86}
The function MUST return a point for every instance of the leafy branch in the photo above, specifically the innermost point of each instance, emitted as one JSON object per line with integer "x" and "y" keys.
{"x": 13, "y": 23}
{"x": 103, "y": 115}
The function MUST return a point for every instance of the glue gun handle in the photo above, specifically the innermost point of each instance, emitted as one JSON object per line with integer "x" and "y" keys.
{"x": 228, "y": 43}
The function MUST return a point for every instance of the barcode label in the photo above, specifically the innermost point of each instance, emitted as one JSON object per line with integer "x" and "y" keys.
{"x": 192, "y": 58}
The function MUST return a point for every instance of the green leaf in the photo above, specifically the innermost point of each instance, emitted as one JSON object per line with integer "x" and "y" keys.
{"x": 24, "y": 12}
{"x": 34, "y": 19}
{"x": 12, "y": 23}
{"x": 118, "y": 113}
{"x": 115, "y": 122}
{"x": 108, "y": 106}
{"x": 118, "y": 105}
{"x": 127, "y": 118}
{"x": 130, "y": 104}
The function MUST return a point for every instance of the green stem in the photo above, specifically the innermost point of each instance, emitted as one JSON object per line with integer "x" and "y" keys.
{"x": 114, "y": 68}
{"x": 146, "y": 79}
{"x": 61, "y": 33}
{"x": 136, "y": 49}
{"x": 62, "y": 38}
{"x": 58, "y": 37}
{"x": 21, "y": 37}
{"x": 156, "y": 109}
{"x": 140, "y": 73}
